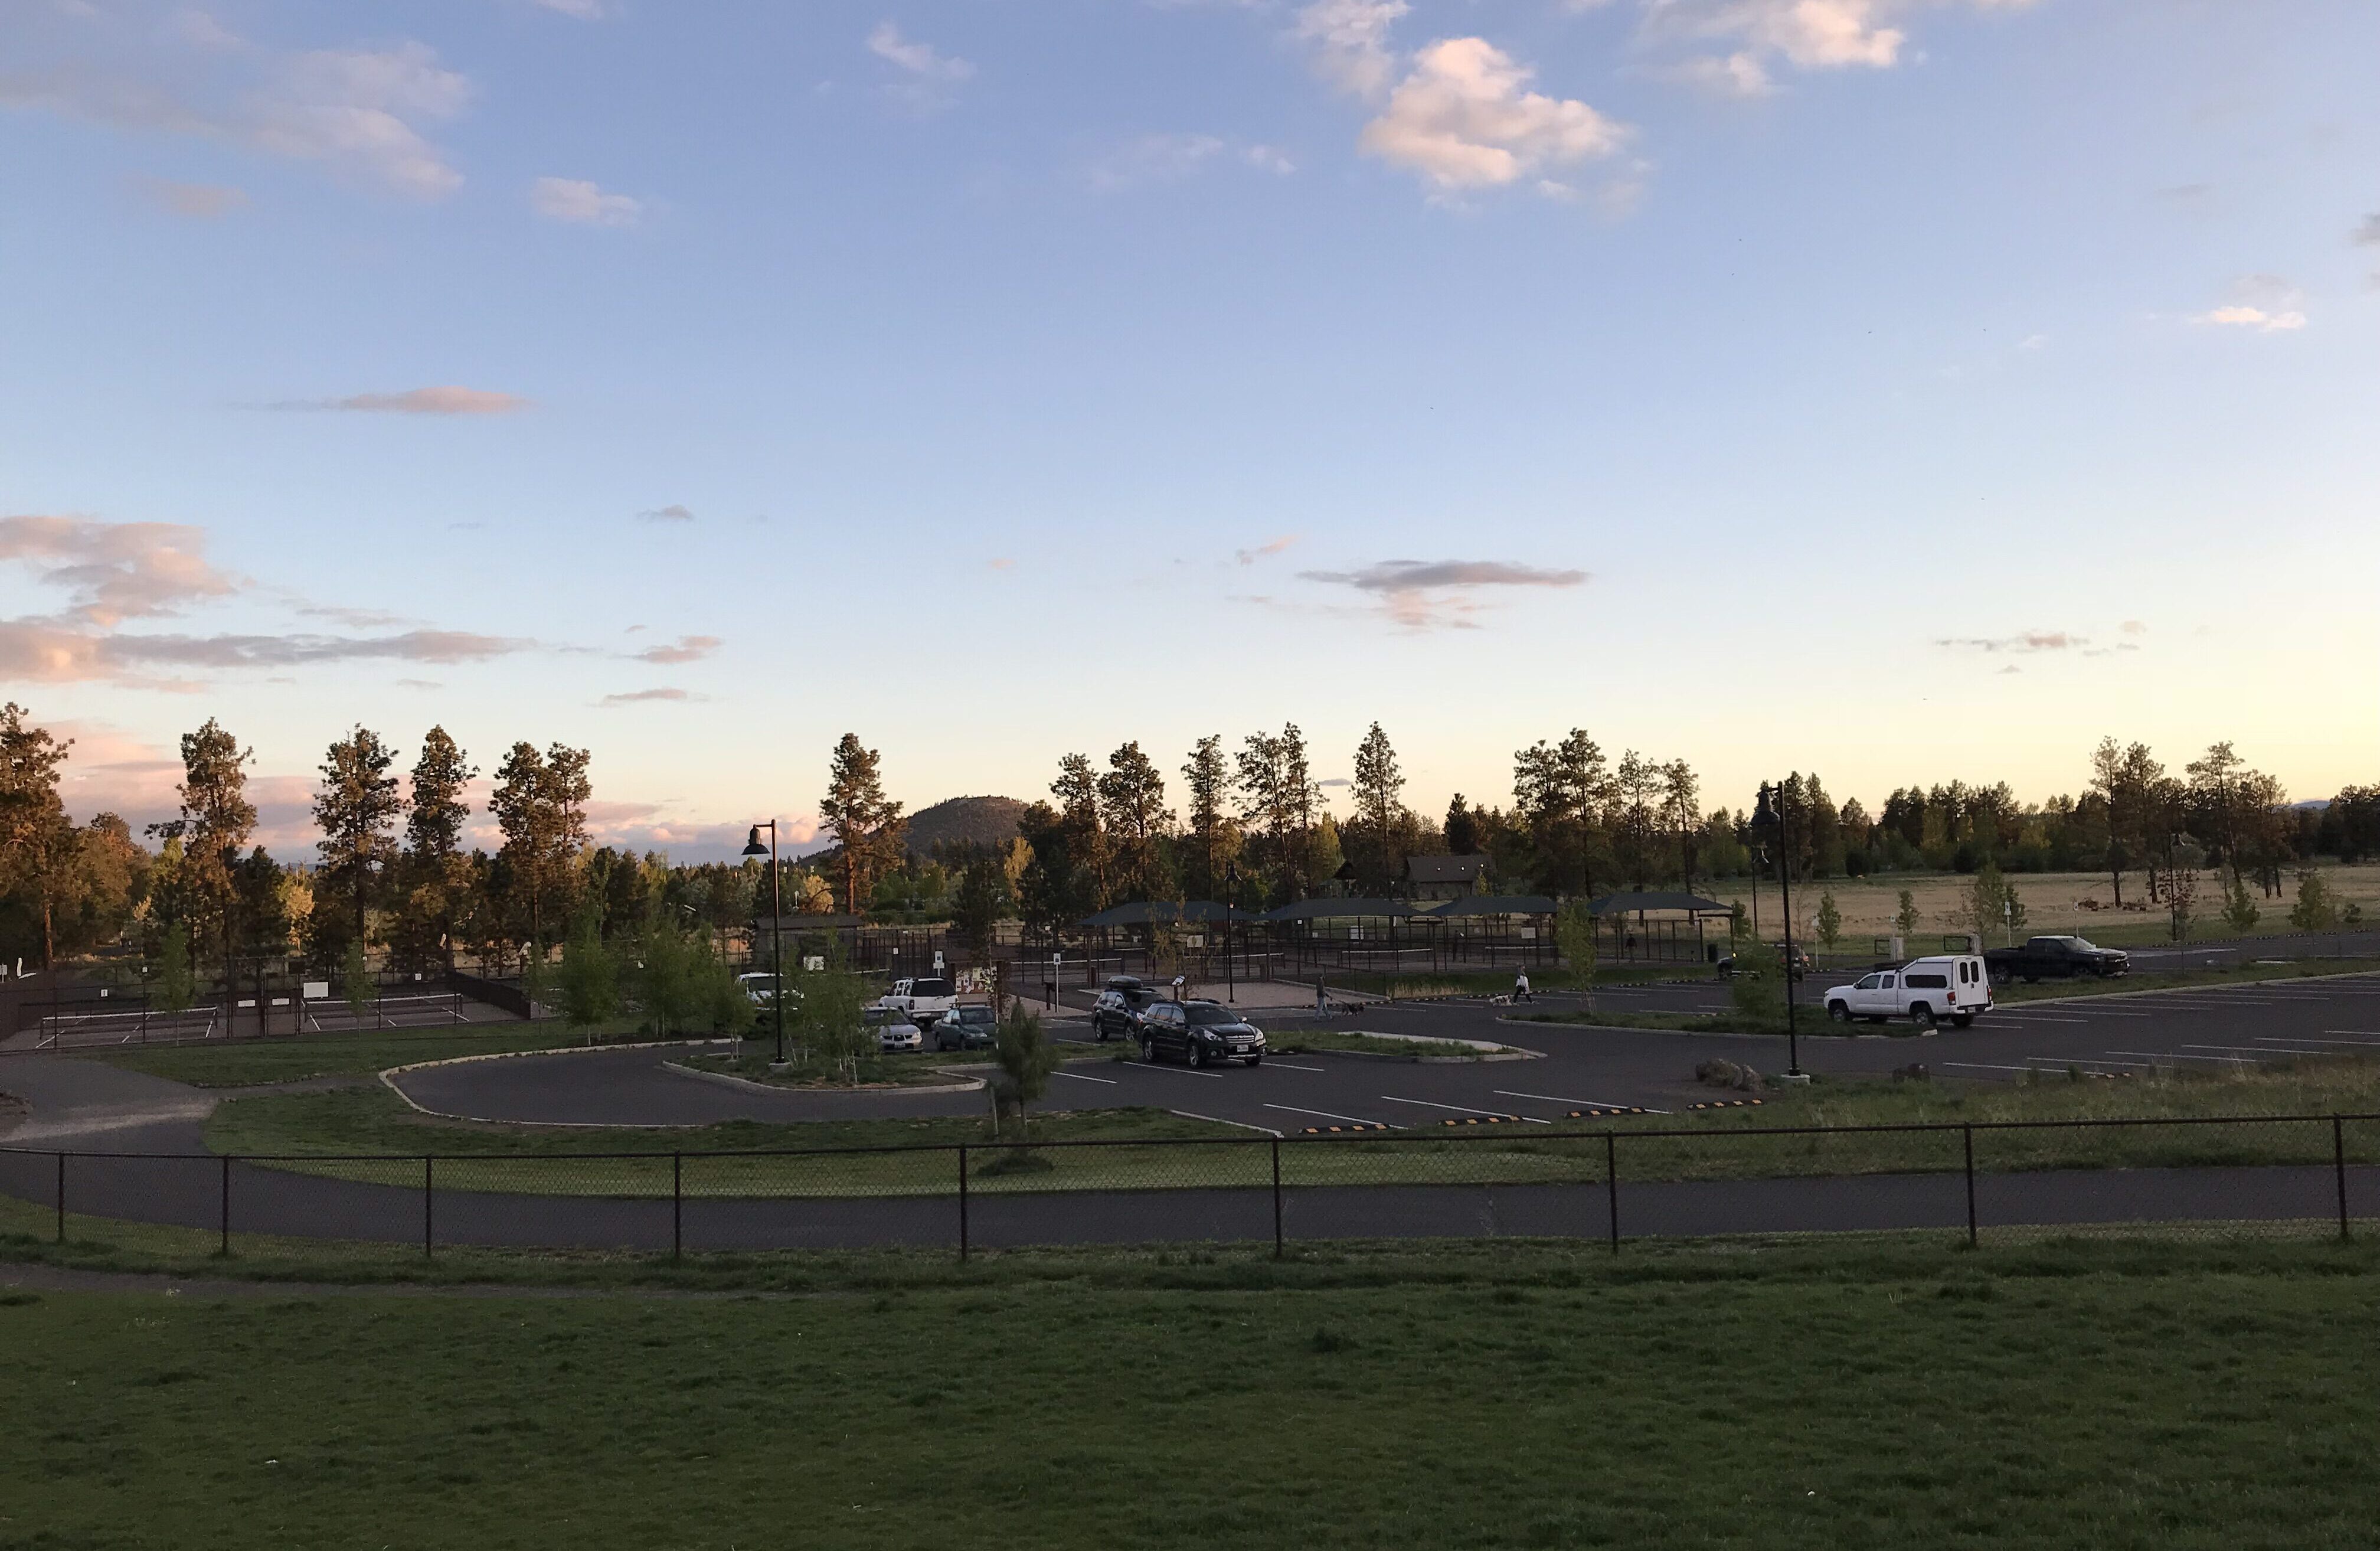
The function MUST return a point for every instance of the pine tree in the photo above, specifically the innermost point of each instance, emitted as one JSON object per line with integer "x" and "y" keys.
{"x": 356, "y": 807}
{"x": 1132, "y": 803}
{"x": 1381, "y": 818}
{"x": 1207, "y": 779}
{"x": 215, "y": 821}
{"x": 1077, "y": 791}
{"x": 867, "y": 825}
{"x": 541, "y": 805}
{"x": 436, "y": 878}
{"x": 37, "y": 839}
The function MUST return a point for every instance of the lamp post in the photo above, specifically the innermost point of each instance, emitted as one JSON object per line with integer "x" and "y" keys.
{"x": 752, "y": 847}
{"x": 1231, "y": 903}
{"x": 1771, "y": 813}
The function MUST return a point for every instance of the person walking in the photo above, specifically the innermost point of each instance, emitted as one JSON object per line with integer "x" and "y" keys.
{"x": 1520, "y": 986}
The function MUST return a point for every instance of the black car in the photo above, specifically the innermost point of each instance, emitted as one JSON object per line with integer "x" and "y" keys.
{"x": 1117, "y": 1013}
{"x": 2054, "y": 958}
{"x": 1796, "y": 957}
{"x": 1203, "y": 1034}
{"x": 967, "y": 1027}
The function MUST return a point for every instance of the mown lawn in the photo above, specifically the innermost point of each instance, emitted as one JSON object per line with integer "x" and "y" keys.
{"x": 1492, "y": 1397}
{"x": 244, "y": 1063}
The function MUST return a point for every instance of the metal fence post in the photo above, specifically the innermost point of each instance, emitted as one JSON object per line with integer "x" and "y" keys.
{"x": 226, "y": 1204}
{"x": 62, "y": 1198}
{"x": 2339, "y": 1163}
{"x": 1276, "y": 1198}
{"x": 1968, "y": 1136}
{"x": 429, "y": 1202}
{"x": 1611, "y": 1185}
{"x": 963, "y": 1201}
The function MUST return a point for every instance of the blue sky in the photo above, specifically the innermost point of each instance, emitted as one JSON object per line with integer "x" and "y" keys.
{"x": 1899, "y": 388}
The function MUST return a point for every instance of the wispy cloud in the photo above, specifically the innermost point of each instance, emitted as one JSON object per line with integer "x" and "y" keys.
{"x": 195, "y": 202}
{"x": 581, "y": 10}
{"x": 929, "y": 79}
{"x": 1003, "y": 563}
{"x": 648, "y": 697}
{"x": 1422, "y": 595}
{"x": 447, "y": 401}
{"x": 583, "y": 204}
{"x": 2023, "y": 641}
{"x": 46, "y": 652}
{"x": 361, "y": 112}
{"x": 1264, "y": 551}
{"x": 116, "y": 570}
{"x": 670, "y": 513}
{"x": 1350, "y": 43}
{"x": 684, "y": 649}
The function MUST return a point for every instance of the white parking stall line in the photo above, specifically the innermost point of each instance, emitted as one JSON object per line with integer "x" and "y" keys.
{"x": 2257, "y": 1049}
{"x": 1080, "y": 1077}
{"x": 2183, "y": 1056}
{"x": 2088, "y": 1061}
{"x": 2102, "y": 1012}
{"x": 1583, "y": 1103}
{"x": 2037, "y": 1018}
{"x": 2312, "y": 1039}
{"x": 1219, "y": 1120}
{"x": 1352, "y": 1120}
{"x": 1183, "y": 1071}
{"x": 1465, "y": 1110}
{"x": 1984, "y": 1066}
{"x": 1288, "y": 1065}
{"x": 2354, "y": 1033}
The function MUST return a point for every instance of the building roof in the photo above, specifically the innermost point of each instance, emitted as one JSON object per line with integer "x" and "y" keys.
{"x": 1445, "y": 868}
{"x": 1146, "y": 913}
{"x": 1342, "y": 910}
{"x": 1497, "y": 904}
{"x": 1692, "y": 904}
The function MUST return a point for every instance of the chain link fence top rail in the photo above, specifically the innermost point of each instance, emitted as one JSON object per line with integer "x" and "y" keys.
{"x": 2294, "y": 1173}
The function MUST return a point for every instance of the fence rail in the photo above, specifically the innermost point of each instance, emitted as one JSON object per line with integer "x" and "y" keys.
{"x": 2296, "y": 1174}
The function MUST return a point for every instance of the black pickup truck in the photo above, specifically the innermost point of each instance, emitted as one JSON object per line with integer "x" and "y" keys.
{"x": 2054, "y": 958}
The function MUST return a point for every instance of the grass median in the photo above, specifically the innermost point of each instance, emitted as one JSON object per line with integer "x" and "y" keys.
{"x": 1501, "y": 1395}
{"x": 246, "y": 1063}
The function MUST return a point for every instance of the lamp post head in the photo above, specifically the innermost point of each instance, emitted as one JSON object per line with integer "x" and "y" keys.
{"x": 753, "y": 846}
{"x": 1765, "y": 816}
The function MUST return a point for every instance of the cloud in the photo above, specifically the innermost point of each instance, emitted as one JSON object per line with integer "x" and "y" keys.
{"x": 1809, "y": 34}
{"x": 2252, "y": 317}
{"x": 360, "y": 112}
{"x": 2133, "y": 628}
{"x": 1003, "y": 564}
{"x": 1423, "y": 594}
{"x": 670, "y": 513}
{"x": 49, "y": 651}
{"x": 576, "y": 200}
{"x": 197, "y": 201}
{"x": 686, "y": 648}
{"x": 579, "y": 10}
{"x": 1463, "y": 117}
{"x": 2368, "y": 234}
{"x": 1269, "y": 547}
{"x": 920, "y": 59}
{"x": 1267, "y": 158}
{"x": 418, "y": 401}
{"x": 2025, "y": 641}
{"x": 116, "y": 570}
{"x": 643, "y": 697}
{"x": 1350, "y": 43}
{"x": 1740, "y": 74}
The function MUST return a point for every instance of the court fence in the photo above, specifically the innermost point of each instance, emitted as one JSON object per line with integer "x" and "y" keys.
{"x": 2295, "y": 1175}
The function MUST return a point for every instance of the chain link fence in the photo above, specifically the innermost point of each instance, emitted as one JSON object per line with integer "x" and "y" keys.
{"x": 2291, "y": 1176}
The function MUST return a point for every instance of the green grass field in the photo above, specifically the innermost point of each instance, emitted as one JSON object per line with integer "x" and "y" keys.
{"x": 238, "y": 1064}
{"x": 1506, "y": 1396}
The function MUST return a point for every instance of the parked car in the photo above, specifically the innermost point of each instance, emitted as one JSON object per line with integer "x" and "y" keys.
{"x": 1117, "y": 1013}
{"x": 894, "y": 1031}
{"x": 967, "y": 1027}
{"x": 1956, "y": 986}
{"x": 2057, "y": 957}
{"x": 921, "y": 999}
{"x": 762, "y": 988}
{"x": 1202, "y": 1033}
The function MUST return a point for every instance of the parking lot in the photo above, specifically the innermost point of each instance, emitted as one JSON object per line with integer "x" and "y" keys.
{"x": 1572, "y": 1070}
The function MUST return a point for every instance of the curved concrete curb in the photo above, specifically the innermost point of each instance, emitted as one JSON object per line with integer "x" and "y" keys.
{"x": 729, "y": 1080}
{"x": 391, "y": 1072}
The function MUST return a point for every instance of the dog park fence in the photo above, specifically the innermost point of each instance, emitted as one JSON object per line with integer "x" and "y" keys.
{"x": 2302, "y": 1175}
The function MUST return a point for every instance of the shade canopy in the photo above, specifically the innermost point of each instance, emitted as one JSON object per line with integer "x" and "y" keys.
{"x": 1164, "y": 913}
{"x": 1344, "y": 910}
{"x": 1495, "y": 904}
{"x": 1691, "y": 904}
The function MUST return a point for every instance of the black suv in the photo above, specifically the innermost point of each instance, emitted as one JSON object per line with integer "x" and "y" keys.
{"x": 1116, "y": 1015}
{"x": 1202, "y": 1033}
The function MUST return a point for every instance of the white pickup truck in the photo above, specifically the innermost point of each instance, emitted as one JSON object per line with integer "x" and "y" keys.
{"x": 922, "y": 1001}
{"x": 1925, "y": 991}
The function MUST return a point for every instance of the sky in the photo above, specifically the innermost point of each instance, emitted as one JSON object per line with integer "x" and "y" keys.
{"x": 1899, "y": 389}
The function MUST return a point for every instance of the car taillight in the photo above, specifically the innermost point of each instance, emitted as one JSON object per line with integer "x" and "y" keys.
{"x": 1954, "y": 998}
